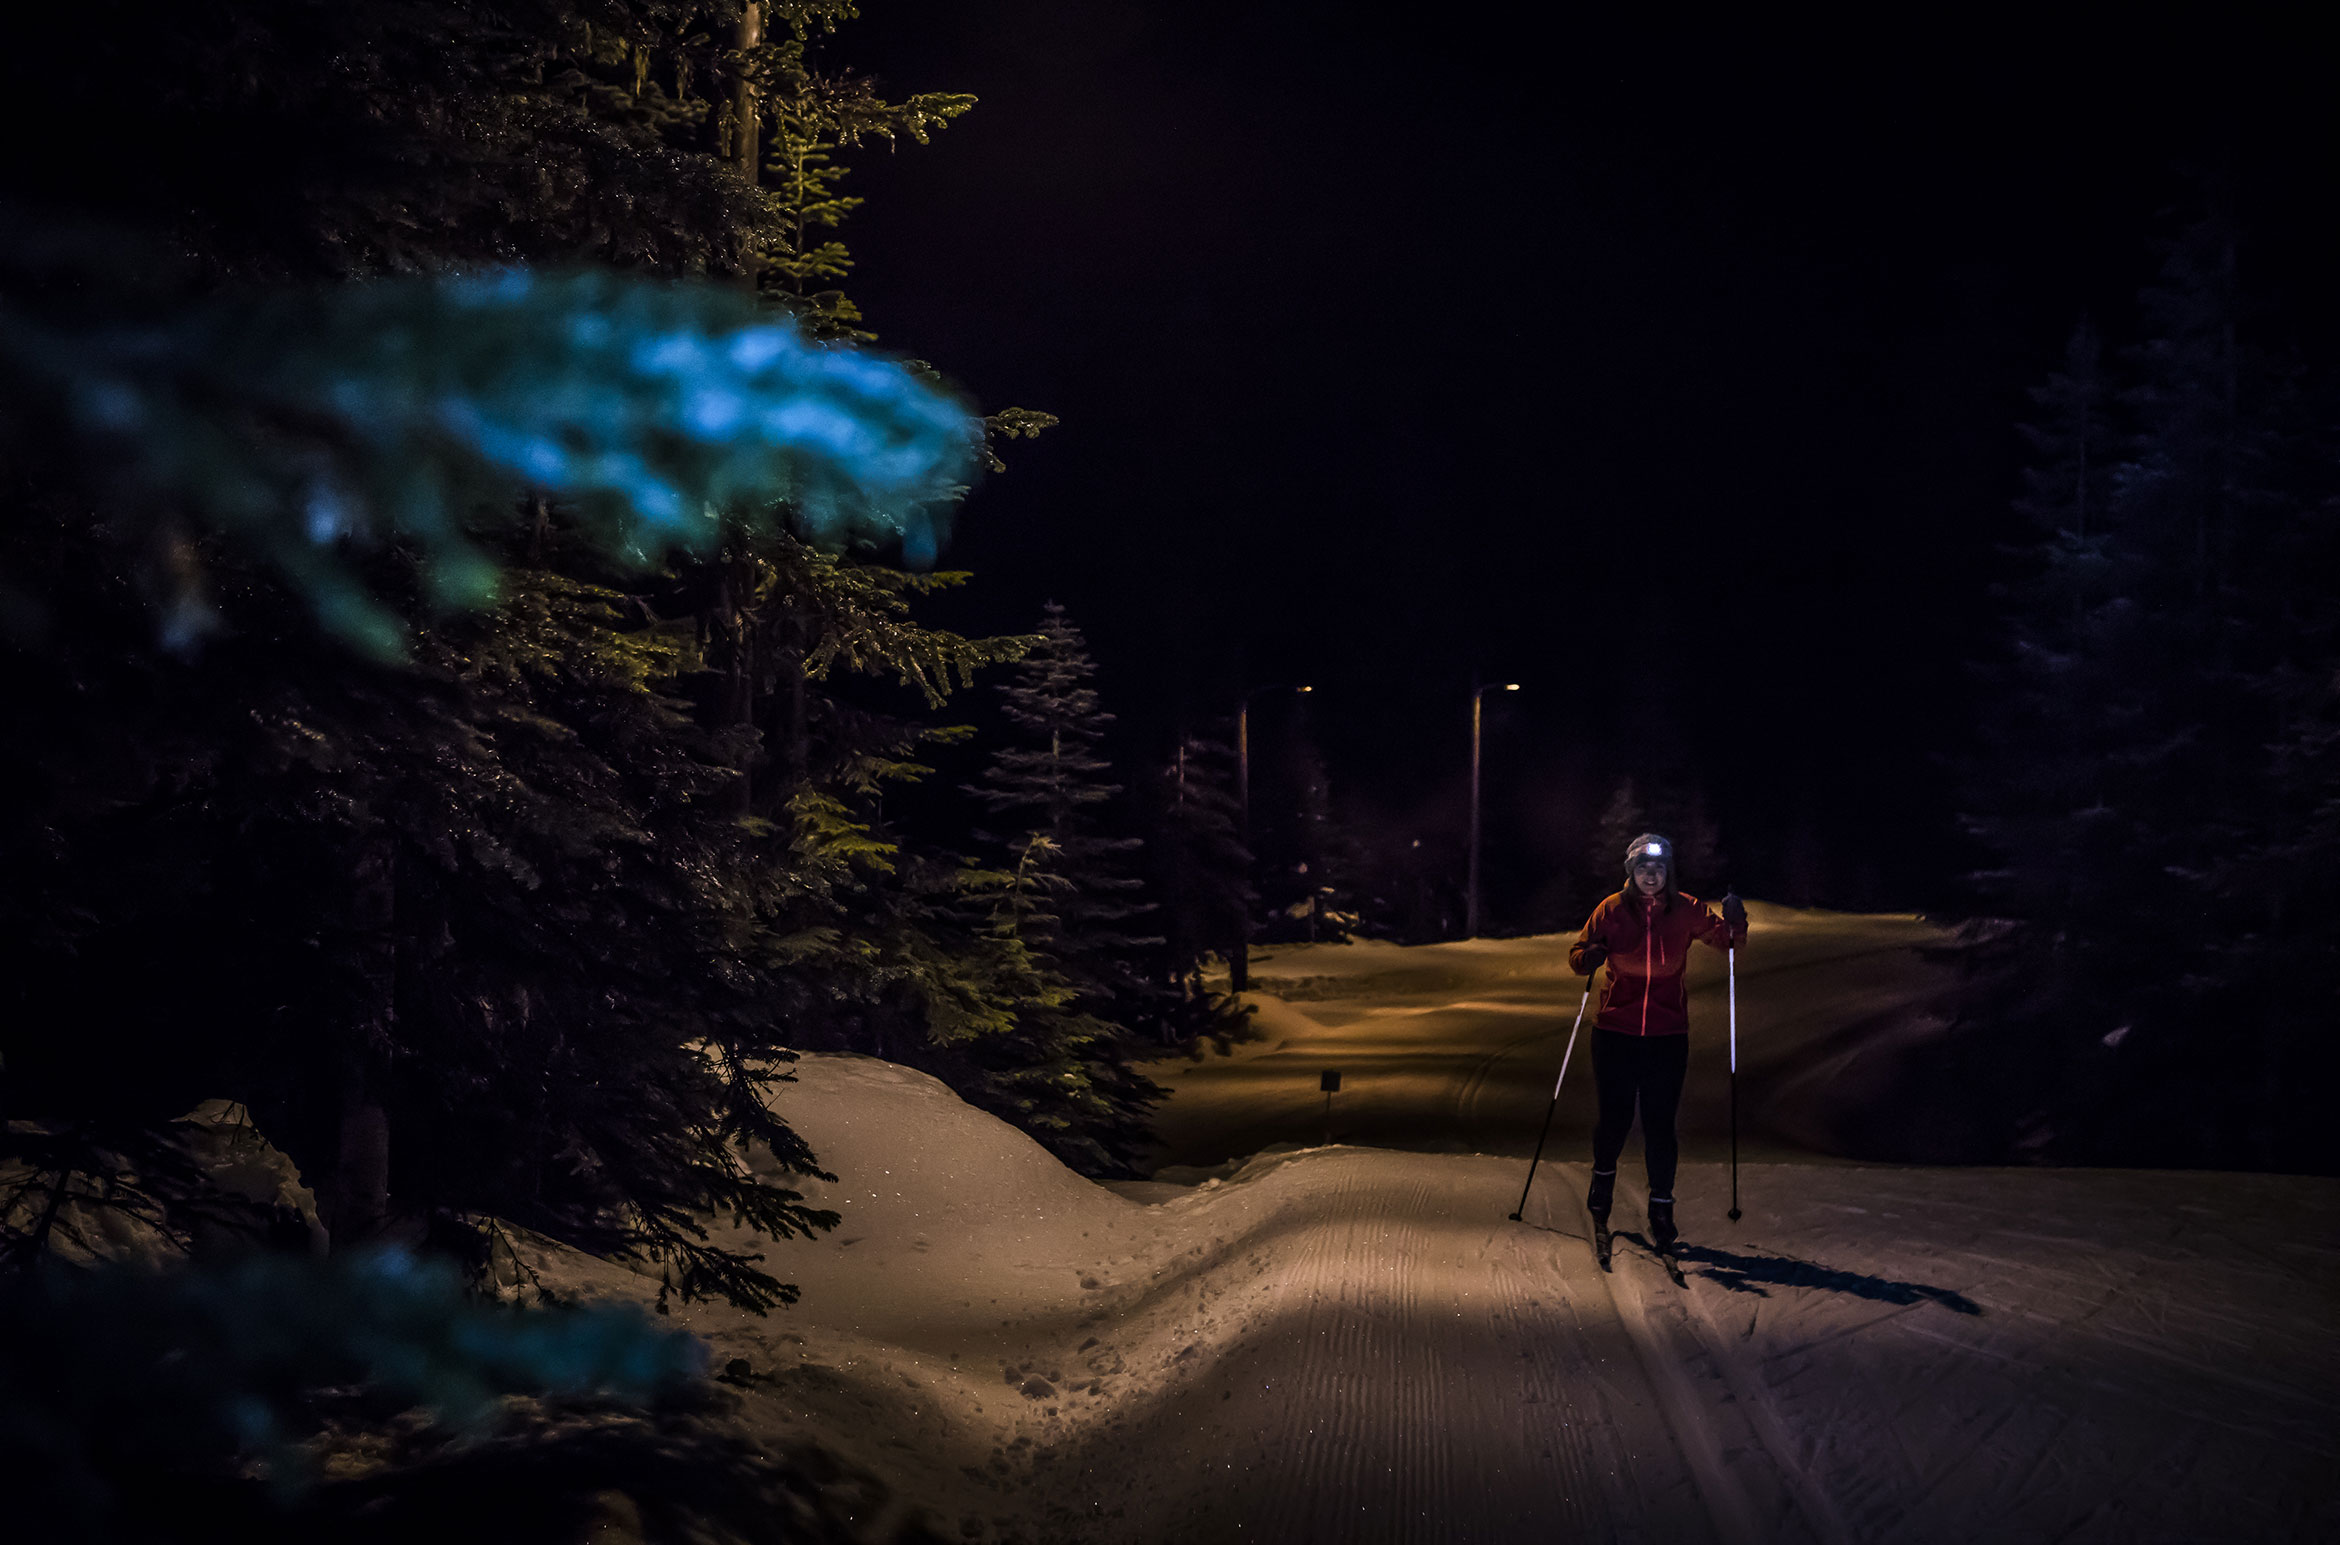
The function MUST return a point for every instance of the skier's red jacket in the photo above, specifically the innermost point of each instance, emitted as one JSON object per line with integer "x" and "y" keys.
{"x": 1648, "y": 941}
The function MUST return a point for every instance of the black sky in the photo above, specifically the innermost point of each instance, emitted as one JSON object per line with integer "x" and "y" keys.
{"x": 1670, "y": 370}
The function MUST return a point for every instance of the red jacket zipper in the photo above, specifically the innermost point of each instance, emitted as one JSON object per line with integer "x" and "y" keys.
{"x": 1648, "y": 965}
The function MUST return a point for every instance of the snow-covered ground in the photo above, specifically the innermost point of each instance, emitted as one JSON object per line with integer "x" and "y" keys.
{"x": 1453, "y": 1047}
{"x": 1355, "y": 1343}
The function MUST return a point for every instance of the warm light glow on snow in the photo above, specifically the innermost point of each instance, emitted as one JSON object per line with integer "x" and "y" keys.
{"x": 1349, "y": 1331}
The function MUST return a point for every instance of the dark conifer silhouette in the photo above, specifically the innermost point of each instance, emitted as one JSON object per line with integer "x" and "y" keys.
{"x": 1680, "y": 812}
{"x": 1622, "y": 819}
{"x": 576, "y": 866}
{"x": 1202, "y": 875}
{"x": 1309, "y": 867}
{"x": 1076, "y": 901}
{"x": 1047, "y": 791}
{"x": 2154, "y": 770}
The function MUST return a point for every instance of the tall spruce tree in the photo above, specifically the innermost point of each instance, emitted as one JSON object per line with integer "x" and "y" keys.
{"x": 1078, "y": 900}
{"x": 463, "y": 931}
{"x": 511, "y": 876}
{"x": 1048, "y": 791}
{"x": 2129, "y": 781}
{"x": 506, "y": 914}
{"x": 1202, "y": 869}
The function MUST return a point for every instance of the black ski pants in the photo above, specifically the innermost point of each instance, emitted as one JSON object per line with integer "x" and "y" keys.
{"x": 1647, "y": 1070}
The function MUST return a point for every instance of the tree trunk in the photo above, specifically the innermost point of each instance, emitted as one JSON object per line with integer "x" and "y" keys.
{"x": 747, "y": 142}
{"x": 728, "y": 629}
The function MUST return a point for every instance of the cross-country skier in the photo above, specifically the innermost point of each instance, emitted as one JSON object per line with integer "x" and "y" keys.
{"x": 1641, "y": 1039}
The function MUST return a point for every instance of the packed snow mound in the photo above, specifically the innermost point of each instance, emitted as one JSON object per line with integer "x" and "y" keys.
{"x": 912, "y": 1157}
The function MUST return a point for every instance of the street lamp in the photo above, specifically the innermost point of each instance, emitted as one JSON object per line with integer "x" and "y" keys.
{"x": 1239, "y": 964}
{"x": 1471, "y": 889}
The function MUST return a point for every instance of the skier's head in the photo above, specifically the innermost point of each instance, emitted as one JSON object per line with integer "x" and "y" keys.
{"x": 1649, "y": 866}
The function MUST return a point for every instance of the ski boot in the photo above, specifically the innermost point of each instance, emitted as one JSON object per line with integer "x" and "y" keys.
{"x": 1597, "y": 1202}
{"x": 1662, "y": 1232}
{"x": 1664, "y": 1237}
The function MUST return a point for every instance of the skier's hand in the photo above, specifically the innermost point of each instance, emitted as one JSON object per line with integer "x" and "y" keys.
{"x": 1734, "y": 913}
{"x": 1592, "y": 954}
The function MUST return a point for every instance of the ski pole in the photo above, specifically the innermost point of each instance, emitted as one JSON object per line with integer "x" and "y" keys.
{"x": 1732, "y": 956}
{"x": 1555, "y": 1105}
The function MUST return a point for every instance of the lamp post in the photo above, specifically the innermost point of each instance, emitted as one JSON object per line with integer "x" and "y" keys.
{"x": 1239, "y": 964}
{"x": 1471, "y": 888}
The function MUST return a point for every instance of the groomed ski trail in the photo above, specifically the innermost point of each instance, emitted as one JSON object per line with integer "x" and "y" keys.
{"x": 1683, "y": 1324}
{"x": 1356, "y": 1344}
{"x": 1419, "y": 1369}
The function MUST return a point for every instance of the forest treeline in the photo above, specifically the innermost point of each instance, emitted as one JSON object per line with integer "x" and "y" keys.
{"x": 2157, "y": 784}
{"x": 494, "y": 844}
{"x": 506, "y": 910}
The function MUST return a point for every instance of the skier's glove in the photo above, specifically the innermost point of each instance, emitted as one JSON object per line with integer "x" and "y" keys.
{"x": 1735, "y": 913}
{"x": 1593, "y": 954}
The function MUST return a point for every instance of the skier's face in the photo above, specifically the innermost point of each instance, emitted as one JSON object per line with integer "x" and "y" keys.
{"x": 1649, "y": 876}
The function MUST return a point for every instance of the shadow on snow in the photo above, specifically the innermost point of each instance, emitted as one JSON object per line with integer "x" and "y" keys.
{"x": 1757, "y": 1273}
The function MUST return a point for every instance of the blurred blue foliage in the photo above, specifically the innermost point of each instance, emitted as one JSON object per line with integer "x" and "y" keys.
{"x": 121, "y": 1378}
{"x": 307, "y": 421}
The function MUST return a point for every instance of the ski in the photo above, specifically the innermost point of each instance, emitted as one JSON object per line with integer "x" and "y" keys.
{"x": 1663, "y": 1255}
{"x": 1601, "y": 1245}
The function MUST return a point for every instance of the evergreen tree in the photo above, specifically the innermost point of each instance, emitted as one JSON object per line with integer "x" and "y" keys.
{"x": 798, "y": 118}
{"x": 1309, "y": 865}
{"x": 2048, "y": 734}
{"x": 1077, "y": 900}
{"x": 1678, "y": 811}
{"x": 510, "y": 875}
{"x": 463, "y": 931}
{"x": 2158, "y": 632}
{"x": 1049, "y": 784}
{"x": 1622, "y": 819}
{"x": 514, "y": 912}
{"x": 1202, "y": 873}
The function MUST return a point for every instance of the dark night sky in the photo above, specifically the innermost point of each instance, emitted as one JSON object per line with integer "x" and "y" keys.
{"x": 1670, "y": 371}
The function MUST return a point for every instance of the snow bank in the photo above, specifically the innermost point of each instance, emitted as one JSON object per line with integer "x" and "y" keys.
{"x": 255, "y": 1192}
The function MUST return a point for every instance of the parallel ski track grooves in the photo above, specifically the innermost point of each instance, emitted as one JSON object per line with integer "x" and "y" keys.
{"x": 1552, "y": 1383}
{"x": 1403, "y": 1442}
{"x": 1328, "y": 1474}
{"x": 1762, "y": 1415}
{"x": 1352, "y": 1333}
{"x": 1727, "y": 1504}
